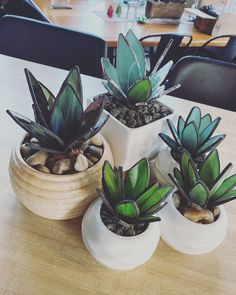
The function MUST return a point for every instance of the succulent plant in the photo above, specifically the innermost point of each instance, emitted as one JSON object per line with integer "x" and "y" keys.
{"x": 61, "y": 125}
{"x": 128, "y": 82}
{"x": 207, "y": 187}
{"x": 194, "y": 135}
{"x": 131, "y": 199}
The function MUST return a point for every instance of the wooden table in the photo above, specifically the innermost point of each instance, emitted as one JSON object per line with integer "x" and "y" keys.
{"x": 40, "y": 256}
{"x": 82, "y": 17}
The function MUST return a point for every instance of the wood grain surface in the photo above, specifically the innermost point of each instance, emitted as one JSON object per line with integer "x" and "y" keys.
{"x": 40, "y": 256}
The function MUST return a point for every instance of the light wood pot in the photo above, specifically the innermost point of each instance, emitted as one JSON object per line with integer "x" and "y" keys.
{"x": 56, "y": 196}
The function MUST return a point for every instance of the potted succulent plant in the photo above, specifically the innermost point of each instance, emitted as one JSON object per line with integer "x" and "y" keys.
{"x": 165, "y": 8}
{"x": 194, "y": 135}
{"x": 136, "y": 115}
{"x": 120, "y": 228}
{"x": 194, "y": 221}
{"x": 57, "y": 167}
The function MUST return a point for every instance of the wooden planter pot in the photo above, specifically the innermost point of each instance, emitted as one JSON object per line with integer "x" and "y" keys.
{"x": 164, "y": 10}
{"x": 55, "y": 196}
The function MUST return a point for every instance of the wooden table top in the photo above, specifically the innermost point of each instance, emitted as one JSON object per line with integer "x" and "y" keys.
{"x": 40, "y": 256}
{"x": 82, "y": 17}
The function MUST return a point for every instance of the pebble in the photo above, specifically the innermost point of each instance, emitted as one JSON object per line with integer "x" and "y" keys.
{"x": 37, "y": 158}
{"x": 81, "y": 163}
{"x": 95, "y": 151}
{"x": 61, "y": 166}
{"x": 90, "y": 163}
{"x": 204, "y": 216}
{"x": 96, "y": 140}
{"x": 176, "y": 200}
{"x": 216, "y": 212}
{"x": 26, "y": 151}
{"x": 42, "y": 168}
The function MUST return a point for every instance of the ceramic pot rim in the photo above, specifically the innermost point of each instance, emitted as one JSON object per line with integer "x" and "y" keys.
{"x": 55, "y": 176}
{"x": 136, "y": 237}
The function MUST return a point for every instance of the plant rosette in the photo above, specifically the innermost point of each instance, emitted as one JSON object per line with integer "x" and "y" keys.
{"x": 136, "y": 114}
{"x": 115, "y": 251}
{"x": 189, "y": 237}
{"x": 56, "y": 196}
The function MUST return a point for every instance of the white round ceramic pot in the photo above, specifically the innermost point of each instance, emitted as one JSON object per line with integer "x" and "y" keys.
{"x": 112, "y": 250}
{"x": 188, "y": 237}
{"x": 163, "y": 165}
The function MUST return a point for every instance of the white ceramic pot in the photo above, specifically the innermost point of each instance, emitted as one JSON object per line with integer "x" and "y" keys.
{"x": 112, "y": 250}
{"x": 55, "y": 196}
{"x": 188, "y": 237}
{"x": 129, "y": 145}
{"x": 163, "y": 165}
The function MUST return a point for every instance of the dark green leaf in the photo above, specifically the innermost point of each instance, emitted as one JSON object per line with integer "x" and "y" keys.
{"x": 193, "y": 176}
{"x": 127, "y": 209}
{"x": 220, "y": 179}
{"x": 178, "y": 176}
{"x": 39, "y": 147}
{"x": 208, "y": 131}
{"x": 199, "y": 194}
{"x": 106, "y": 201}
{"x": 210, "y": 144}
{"x": 180, "y": 127}
{"x": 147, "y": 194}
{"x": 173, "y": 131}
{"x": 180, "y": 189}
{"x": 140, "y": 92}
{"x": 153, "y": 210}
{"x": 67, "y": 114}
{"x": 147, "y": 219}
{"x": 210, "y": 169}
{"x": 194, "y": 116}
{"x": 110, "y": 183}
{"x": 159, "y": 196}
{"x": 190, "y": 138}
{"x": 169, "y": 141}
{"x": 93, "y": 112}
{"x": 48, "y": 95}
{"x": 230, "y": 196}
{"x": 225, "y": 187}
{"x": 137, "y": 179}
{"x": 184, "y": 165}
{"x": 39, "y": 100}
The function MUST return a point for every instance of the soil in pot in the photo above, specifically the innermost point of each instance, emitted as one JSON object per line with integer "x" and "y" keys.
{"x": 198, "y": 216}
{"x": 61, "y": 164}
{"x": 135, "y": 115}
{"x": 118, "y": 227}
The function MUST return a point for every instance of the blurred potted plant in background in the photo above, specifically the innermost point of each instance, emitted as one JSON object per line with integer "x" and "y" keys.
{"x": 165, "y": 8}
{"x": 121, "y": 229}
{"x": 55, "y": 170}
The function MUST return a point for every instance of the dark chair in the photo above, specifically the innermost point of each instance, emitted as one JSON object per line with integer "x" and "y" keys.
{"x": 51, "y": 45}
{"x": 175, "y": 52}
{"x": 205, "y": 80}
{"x": 25, "y": 8}
{"x": 225, "y": 53}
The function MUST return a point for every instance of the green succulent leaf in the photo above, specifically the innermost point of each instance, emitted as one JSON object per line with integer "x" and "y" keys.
{"x": 115, "y": 90}
{"x": 227, "y": 185}
{"x": 127, "y": 209}
{"x": 67, "y": 113}
{"x": 39, "y": 100}
{"x": 210, "y": 144}
{"x": 205, "y": 121}
{"x": 199, "y": 194}
{"x": 106, "y": 201}
{"x": 220, "y": 179}
{"x": 173, "y": 131}
{"x": 153, "y": 210}
{"x": 138, "y": 51}
{"x": 109, "y": 70}
{"x": 194, "y": 116}
{"x": 156, "y": 92}
{"x": 125, "y": 64}
{"x": 40, "y": 147}
{"x": 169, "y": 141}
{"x": 180, "y": 127}
{"x": 159, "y": 76}
{"x": 208, "y": 131}
{"x": 93, "y": 112}
{"x": 193, "y": 176}
{"x": 74, "y": 80}
{"x": 137, "y": 179}
{"x": 147, "y": 194}
{"x": 184, "y": 165}
{"x": 110, "y": 183}
{"x": 210, "y": 169}
{"x": 147, "y": 219}
{"x": 180, "y": 188}
{"x": 230, "y": 196}
{"x": 140, "y": 92}
{"x": 159, "y": 196}
{"x": 190, "y": 138}
{"x": 178, "y": 177}
{"x": 48, "y": 95}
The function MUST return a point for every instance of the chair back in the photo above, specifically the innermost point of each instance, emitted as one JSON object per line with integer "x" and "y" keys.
{"x": 225, "y": 53}
{"x": 174, "y": 53}
{"x": 205, "y": 80}
{"x": 51, "y": 45}
{"x": 26, "y": 8}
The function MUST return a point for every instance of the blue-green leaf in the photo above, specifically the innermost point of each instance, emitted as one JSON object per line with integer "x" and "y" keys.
{"x": 140, "y": 92}
{"x": 173, "y": 131}
{"x": 210, "y": 144}
{"x": 190, "y": 138}
{"x": 208, "y": 131}
{"x": 159, "y": 76}
{"x": 115, "y": 90}
{"x": 205, "y": 121}
{"x": 169, "y": 141}
{"x": 180, "y": 127}
{"x": 109, "y": 70}
{"x": 137, "y": 179}
{"x": 194, "y": 116}
{"x": 48, "y": 95}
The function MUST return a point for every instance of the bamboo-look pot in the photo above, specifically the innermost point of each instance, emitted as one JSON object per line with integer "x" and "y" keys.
{"x": 56, "y": 196}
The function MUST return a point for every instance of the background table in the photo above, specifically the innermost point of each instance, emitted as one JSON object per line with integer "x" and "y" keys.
{"x": 41, "y": 256}
{"x": 82, "y": 17}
